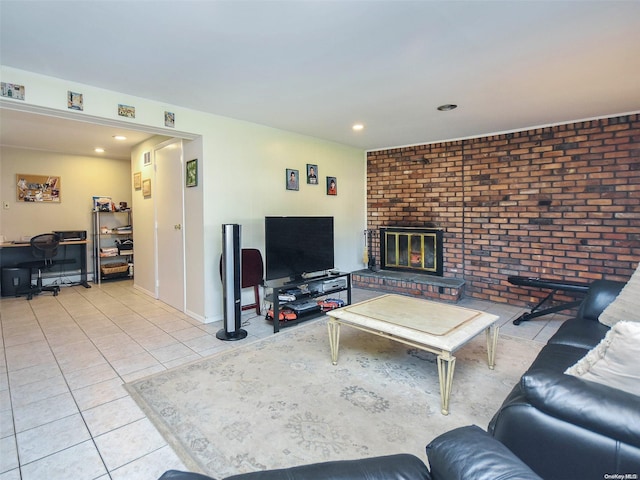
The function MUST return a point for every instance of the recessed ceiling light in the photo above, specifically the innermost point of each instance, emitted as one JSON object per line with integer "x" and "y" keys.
{"x": 99, "y": 150}
{"x": 447, "y": 106}
{"x": 358, "y": 126}
{"x": 119, "y": 137}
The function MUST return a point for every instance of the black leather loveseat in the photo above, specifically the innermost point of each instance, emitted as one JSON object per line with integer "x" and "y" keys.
{"x": 566, "y": 427}
{"x": 551, "y": 426}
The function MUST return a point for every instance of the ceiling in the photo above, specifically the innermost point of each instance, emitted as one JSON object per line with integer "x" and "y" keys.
{"x": 318, "y": 67}
{"x": 53, "y": 134}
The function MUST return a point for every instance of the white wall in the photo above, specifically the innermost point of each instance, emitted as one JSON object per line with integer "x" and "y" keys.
{"x": 194, "y": 245}
{"x": 245, "y": 171}
{"x": 242, "y": 179}
{"x": 80, "y": 177}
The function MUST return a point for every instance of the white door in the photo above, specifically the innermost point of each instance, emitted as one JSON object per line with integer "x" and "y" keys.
{"x": 168, "y": 195}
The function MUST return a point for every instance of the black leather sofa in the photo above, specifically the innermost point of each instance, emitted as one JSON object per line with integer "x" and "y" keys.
{"x": 562, "y": 426}
{"x": 551, "y": 426}
{"x": 466, "y": 453}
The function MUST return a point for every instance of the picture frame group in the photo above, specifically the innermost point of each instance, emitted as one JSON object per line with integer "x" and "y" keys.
{"x": 292, "y": 179}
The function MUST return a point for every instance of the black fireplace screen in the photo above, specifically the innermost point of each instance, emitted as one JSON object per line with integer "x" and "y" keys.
{"x": 411, "y": 249}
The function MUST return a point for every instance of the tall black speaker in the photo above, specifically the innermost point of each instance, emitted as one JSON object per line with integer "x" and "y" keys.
{"x": 231, "y": 282}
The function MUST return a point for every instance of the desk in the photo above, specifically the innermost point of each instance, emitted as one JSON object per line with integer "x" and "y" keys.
{"x": 69, "y": 253}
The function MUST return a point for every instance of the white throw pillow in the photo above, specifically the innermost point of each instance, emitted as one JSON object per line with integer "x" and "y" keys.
{"x": 626, "y": 305}
{"x": 614, "y": 361}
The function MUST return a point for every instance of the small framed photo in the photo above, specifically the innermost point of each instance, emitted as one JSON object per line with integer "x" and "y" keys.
{"x": 12, "y": 90}
{"x": 192, "y": 173}
{"x": 147, "y": 159}
{"x": 126, "y": 111}
{"x": 332, "y": 186}
{"x": 312, "y": 174}
{"x": 146, "y": 187}
{"x": 169, "y": 119}
{"x": 293, "y": 179}
{"x": 137, "y": 180}
{"x": 75, "y": 101}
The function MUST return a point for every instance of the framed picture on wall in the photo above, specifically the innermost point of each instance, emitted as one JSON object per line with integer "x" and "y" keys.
{"x": 38, "y": 188}
{"x": 126, "y": 111}
{"x": 169, "y": 119}
{"x": 192, "y": 173}
{"x": 12, "y": 90}
{"x": 332, "y": 186}
{"x": 293, "y": 179}
{"x": 146, "y": 187}
{"x": 137, "y": 180}
{"x": 75, "y": 101}
{"x": 312, "y": 174}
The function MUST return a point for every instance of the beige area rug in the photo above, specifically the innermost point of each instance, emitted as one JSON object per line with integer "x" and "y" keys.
{"x": 279, "y": 401}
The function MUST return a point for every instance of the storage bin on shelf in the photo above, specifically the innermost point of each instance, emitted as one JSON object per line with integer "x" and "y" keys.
{"x": 112, "y": 268}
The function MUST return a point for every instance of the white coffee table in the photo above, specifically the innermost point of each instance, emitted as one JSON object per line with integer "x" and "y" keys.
{"x": 435, "y": 327}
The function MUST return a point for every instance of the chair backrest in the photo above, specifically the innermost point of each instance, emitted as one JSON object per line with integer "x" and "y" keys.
{"x": 252, "y": 267}
{"x": 45, "y": 246}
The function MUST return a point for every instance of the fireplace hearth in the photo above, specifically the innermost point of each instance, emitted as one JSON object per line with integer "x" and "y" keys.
{"x": 411, "y": 249}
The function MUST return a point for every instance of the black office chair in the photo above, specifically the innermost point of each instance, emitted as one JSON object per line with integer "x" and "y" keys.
{"x": 43, "y": 247}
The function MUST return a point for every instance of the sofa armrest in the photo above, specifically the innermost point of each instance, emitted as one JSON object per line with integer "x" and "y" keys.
{"x": 402, "y": 466}
{"x": 179, "y": 475}
{"x": 601, "y": 293}
{"x": 389, "y": 467}
{"x": 599, "y": 408}
{"x": 470, "y": 453}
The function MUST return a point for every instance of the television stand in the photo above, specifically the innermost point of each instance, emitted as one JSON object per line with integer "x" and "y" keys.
{"x": 306, "y": 289}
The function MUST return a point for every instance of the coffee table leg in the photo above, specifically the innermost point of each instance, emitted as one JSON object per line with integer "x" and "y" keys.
{"x": 334, "y": 339}
{"x": 446, "y": 366}
{"x": 492, "y": 342}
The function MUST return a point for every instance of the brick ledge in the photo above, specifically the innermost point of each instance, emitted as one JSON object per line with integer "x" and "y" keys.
{"x": 409, "y": 283}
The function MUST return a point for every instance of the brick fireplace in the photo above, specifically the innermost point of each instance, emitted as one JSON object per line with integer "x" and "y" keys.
{"x": 411, "y": 263}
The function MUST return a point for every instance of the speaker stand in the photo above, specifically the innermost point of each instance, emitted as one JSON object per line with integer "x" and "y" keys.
{"x": 231, "y": 280}
{"x": 237, "y": 335}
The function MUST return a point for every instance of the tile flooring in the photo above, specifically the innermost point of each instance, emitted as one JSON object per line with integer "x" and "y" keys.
{"x": 64, "y": 412}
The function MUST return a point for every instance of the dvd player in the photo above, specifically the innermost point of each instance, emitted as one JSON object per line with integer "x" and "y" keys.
{"x": 304, "y": 306}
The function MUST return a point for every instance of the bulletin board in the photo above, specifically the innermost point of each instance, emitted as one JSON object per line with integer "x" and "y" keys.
{"x": 38, "y": 188}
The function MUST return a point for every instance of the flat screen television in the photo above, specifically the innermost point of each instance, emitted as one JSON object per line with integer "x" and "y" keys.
{"x": 297, "y": 245}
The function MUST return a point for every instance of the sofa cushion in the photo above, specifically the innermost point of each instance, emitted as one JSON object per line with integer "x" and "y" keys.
{"x": 614, "y": 361}
{"x": 580, "y": 333}
{"x": 557, "y": 357}
{"x": 626, "y": 305}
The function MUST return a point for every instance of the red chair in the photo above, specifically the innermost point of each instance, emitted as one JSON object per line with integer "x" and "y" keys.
{"x": 252, "y": 275}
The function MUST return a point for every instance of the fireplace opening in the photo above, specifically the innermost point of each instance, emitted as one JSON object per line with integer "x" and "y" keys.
{"x": 411, "y": 249}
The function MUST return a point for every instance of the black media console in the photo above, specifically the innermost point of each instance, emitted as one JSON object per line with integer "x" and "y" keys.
{"x": 306, "y": 293}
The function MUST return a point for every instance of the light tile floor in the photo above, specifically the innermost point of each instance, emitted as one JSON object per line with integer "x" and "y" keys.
{"x": 64, "y": 412}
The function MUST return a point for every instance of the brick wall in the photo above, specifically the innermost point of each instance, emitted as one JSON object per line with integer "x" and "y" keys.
{"x": 561, "y": 202}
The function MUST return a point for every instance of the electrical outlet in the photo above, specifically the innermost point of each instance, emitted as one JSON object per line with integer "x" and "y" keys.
{"x": 5, "y": 205}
